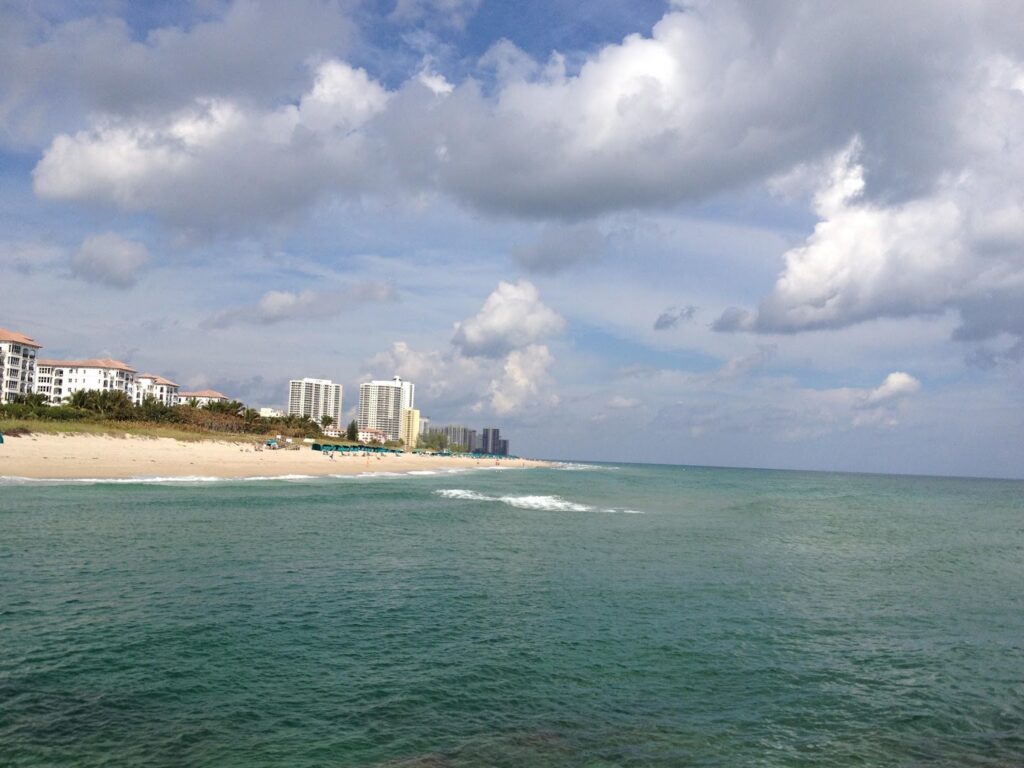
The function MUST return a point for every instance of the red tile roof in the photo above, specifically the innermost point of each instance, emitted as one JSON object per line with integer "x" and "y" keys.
{"x": 203, "y": 393}
{"x": 92, "y": 362}
{"x": 157, "y": 379}
{"x": 18, "y": 338}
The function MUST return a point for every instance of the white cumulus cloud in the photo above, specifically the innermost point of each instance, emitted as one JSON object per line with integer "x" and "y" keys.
{"x": 897, "y": 384}
{"x": 524, "y": 381}
{"x": 217, "y": 164}
{"x": 512, "y": 317}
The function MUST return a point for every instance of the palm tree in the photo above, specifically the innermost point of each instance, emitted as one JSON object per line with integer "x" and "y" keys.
{"x": 34, "y": 399}
{"x": 326, "y": 421}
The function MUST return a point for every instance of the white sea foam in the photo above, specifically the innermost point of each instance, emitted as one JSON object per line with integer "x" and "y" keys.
{"x": 459, "y": 493}
{"x": 108, "y": 480}
{"x": 571, "y": 466}
{"x": 194, "y": 479}
{"x": 279, "y": 477}
{"x": 534, "y": 502}
{"x": 545, "y": 503}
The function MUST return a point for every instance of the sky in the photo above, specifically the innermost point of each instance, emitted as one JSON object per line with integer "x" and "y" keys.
{"x": 719, "y": 232}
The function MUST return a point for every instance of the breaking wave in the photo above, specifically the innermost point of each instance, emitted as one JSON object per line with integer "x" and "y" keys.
{"x": 535, "y": 502}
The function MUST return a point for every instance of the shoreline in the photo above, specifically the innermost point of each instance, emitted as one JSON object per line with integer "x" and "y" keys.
{"x": 72, "y": 457}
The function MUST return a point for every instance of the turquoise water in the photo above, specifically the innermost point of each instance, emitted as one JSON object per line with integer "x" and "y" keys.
{"x": 742, "y": 618}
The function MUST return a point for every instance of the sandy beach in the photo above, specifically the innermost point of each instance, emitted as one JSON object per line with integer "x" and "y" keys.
{"x": 71, "y": 456}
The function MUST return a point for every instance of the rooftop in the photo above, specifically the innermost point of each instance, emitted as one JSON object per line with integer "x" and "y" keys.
{"x": 210, "y": 393}
{"x": 157, "y": 379}
{"x": 92, "y": 362}
{"x": 18, "y": 338}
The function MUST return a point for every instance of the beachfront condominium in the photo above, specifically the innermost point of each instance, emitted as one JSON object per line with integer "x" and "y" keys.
{"x": 57, "y": 380}
{"x": 381, "y": 404}
{"x": 162, "y": 390}
{"x": 201, "y": 398}
{"x": 458, "y": 436}
{"x": 17, "y": 365}
{"x": 409, "y": 433}
{"x": 491, "y": 442}
{"x": 315, "y": 398}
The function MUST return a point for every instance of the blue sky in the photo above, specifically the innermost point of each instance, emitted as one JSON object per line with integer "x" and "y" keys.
{"x": 698, "y": 232}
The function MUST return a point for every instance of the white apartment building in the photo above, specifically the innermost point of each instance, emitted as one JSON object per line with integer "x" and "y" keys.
{"x": 57, "y": 380}
{"x": 271, "y": 413}
{"x": 381, "y": 404}
{"x": 314, "y": 398}
{"x": 164, "y": 391}
{"x": 337, "y": 431}
{"x": 372, "y": 436}
{"x": 201, "y": 397}
{"x": 17, "y": 365}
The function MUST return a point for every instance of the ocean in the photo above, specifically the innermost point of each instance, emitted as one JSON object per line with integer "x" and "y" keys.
{"x": 580, "y": 616}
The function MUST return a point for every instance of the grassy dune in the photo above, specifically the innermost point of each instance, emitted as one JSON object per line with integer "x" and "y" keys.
{"x": 123, "y": 429}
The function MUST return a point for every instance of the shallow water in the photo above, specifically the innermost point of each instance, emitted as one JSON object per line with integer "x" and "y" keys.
{"x": 515, "y": 618}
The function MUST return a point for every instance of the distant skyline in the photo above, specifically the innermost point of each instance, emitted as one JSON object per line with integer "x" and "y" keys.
{"x": 785, "y": 235}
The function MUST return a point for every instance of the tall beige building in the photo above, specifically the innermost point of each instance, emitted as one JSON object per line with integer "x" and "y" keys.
{"x": 410, "y": 430}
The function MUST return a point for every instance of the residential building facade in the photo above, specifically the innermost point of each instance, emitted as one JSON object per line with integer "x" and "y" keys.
{"x": 372, "y": 436}
{"x": 57, "y": 380}
{"x": 409, "y": 433}
{"x": 458, "y": 436}
{"x": 271, "y": 413}
{"x": 163, "y": 390}
{"x": 17, "y": 365}
{"x": 491, "y": 442}
{"x": 381, "y": 404}
{"x": 201, "y": 397}
{"x": 314, "y": 398}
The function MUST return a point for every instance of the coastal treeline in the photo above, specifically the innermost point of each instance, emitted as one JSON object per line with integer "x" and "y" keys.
{"x": 114, "y": 406}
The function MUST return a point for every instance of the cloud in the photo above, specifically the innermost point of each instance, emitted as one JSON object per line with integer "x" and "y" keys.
{"x": 673, "y": 316}
{"x": 780, "y": 409}
{"x": 958, "y": 248}
{"x": 449, "y": 383}
{"x": 512, "y": 317}
{"x": 742, "y": 365}
{"x": 26, "y": 258}
{"x": 280, "y": 306}
{"x": 619, "y": 402}
{"x": 524, "y": 381}
{"x": 496, "y": 351}
{"x": 896, "y": 385}
{"x": 217, "y": 165}
{"x": 562, "y": 247}
{"x": 53, "y": 72}
{"x": 716, "y": 97}
{"x": 450, "y": 13}
{"x": 109, "y": 259}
